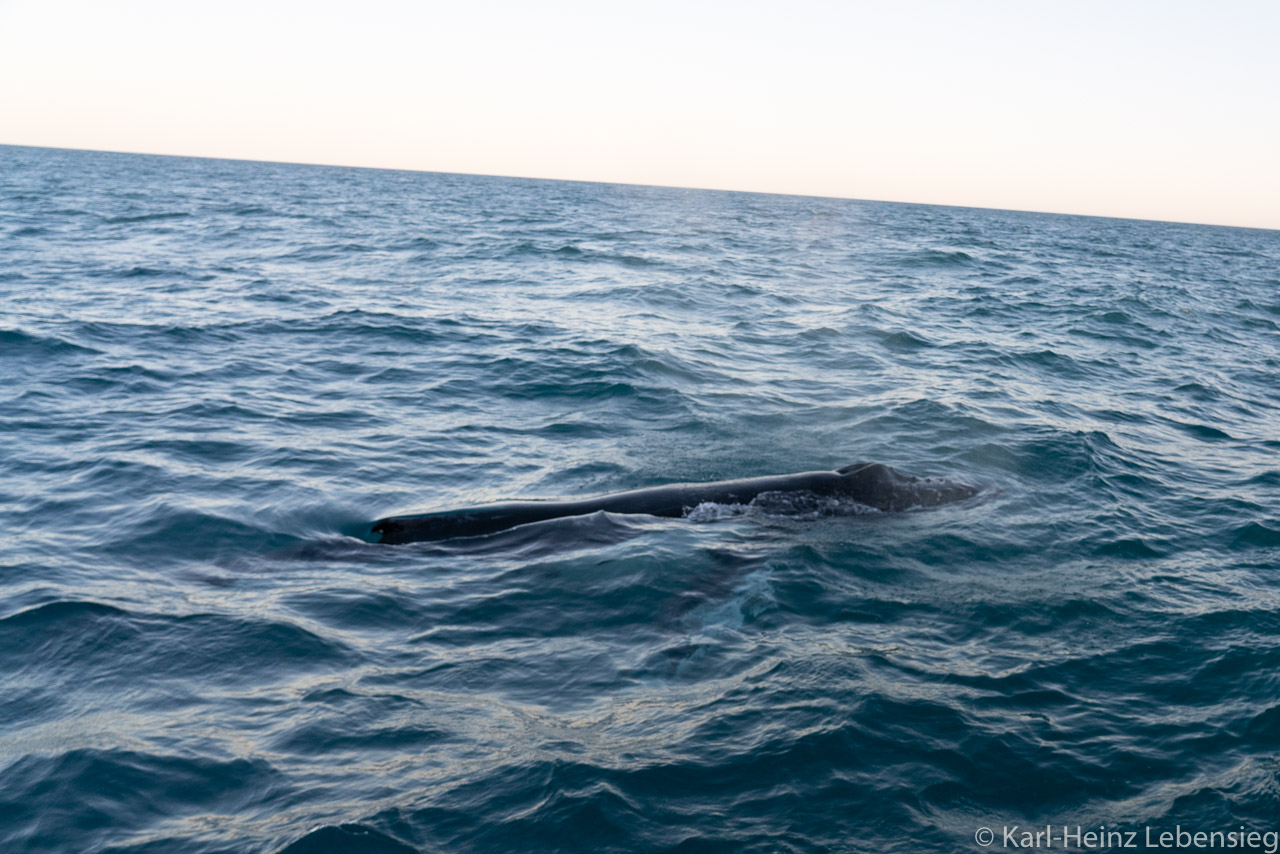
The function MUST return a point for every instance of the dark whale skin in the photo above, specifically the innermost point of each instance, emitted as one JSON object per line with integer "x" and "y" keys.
{"x": 873, "y": 484}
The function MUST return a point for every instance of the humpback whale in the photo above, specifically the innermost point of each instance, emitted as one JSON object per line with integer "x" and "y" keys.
{"x": 872, "y": 484}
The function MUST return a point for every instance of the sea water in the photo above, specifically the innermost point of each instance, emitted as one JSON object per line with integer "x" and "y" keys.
{"x": 215, "y": 375}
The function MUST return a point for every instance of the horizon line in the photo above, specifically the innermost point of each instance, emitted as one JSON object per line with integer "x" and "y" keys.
{"x": 633, "y": 184}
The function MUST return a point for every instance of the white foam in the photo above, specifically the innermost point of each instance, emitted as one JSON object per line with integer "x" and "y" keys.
{"x": 790, "y": 504}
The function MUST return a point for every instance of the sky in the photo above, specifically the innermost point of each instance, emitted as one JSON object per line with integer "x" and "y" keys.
{"x": 1151, "y": 110}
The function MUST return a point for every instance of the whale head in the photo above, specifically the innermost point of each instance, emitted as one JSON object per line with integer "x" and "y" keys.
{"x": 884, "y": 488}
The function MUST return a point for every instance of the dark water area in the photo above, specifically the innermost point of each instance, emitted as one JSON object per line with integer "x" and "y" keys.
{"x": 215, "y": 375}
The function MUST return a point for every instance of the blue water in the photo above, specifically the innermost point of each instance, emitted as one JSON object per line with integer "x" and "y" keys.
{"x": 214, "y": 375}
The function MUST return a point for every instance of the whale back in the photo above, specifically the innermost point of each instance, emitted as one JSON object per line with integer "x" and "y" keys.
{"x": 872, "y": 484}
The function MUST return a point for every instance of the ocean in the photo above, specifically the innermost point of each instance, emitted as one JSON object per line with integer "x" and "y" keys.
{"x": 215, "y": 375}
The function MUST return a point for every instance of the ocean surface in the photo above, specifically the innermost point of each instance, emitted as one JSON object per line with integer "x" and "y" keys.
{"x": 215, "y": 375}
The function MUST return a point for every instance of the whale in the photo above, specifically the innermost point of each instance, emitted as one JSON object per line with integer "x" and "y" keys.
{"x": 874, "y": 485}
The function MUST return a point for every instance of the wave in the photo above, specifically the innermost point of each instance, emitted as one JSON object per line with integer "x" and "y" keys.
{"x": 154, "y": 216}
{"x": 14, "y": 343}
{"x": 348, "y": 838}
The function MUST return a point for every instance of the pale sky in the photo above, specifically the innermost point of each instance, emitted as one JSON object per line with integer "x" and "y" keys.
{"x": 1155, "y": 110}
